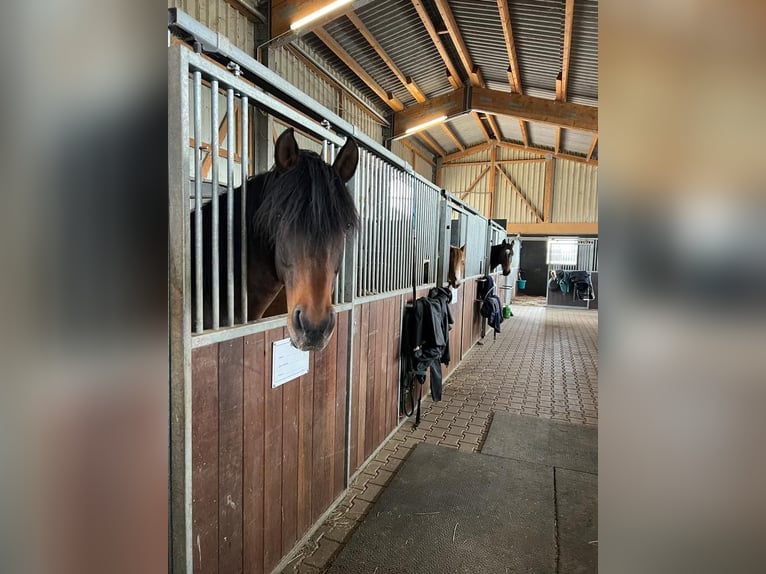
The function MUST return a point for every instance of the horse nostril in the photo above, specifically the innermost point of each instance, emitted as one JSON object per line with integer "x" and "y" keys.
{"x": 298, "y": 319}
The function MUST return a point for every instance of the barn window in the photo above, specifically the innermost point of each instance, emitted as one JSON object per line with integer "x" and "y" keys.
{"x": 562, "y": 251}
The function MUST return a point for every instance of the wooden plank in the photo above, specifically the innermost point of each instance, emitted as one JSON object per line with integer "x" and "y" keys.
{"x": 557, "y": 148}
{"x": 457, "y": 39}
{"x": 272, "y": 488}
{"x": 450, "y": 105}
{"x": 524, "y": 134}
{"x": 520, "y": 193}
{"x": 494, "y": 127}
{"x": 452, "y": 73}
{"x": 498, "y": 161}
{"x": 362, "y": 383}
{"x": 553, "y": 228}
{"x": 407, "y": 82}
{"x": 205, "y": 458}
{"x": 519, "y": 106}
{"x": 393, "y": 363}
{"x": 418, "y": 153}
{"x": 230, "y": 397}
{"x": 372, "y": 350}
{"x": 548, "y": 197}
{"x": 355, "y": 390}
{"x": 253, "y": 435}
{"x": 384, "y": 342}
{"x": 305, "y": 448}
{"x": 529, "y": 108}
{"x": 458, "y": 144}
{"x": 290, "y": 453}
{"x": 482, "y": 126}
{"x": 545, "y": 152}
{"x": 330, "y": 420}
{"x": 432, "y": 143}
{"x": 320, "y": 413}
{"x": 468, "y": 151}
{"x": 593, "y": 146}
{"x": 568, "y": 26}
{"x": 492, "y": 179}
{"x": 346, "y": 58}
{"x": 510, "y": 45}
{"x": 339, "y": 463}
{"x": 475, "y": 182}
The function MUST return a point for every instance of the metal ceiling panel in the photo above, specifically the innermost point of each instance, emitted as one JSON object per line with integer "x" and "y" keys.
{"x": 482, "y": 31}
{"x": 510, "y": 128}
{"x": 583, "y": 62}
{"x": 468, "y": 130}
{"x": 397, "y": 27}
{"x": 576, "y": 141}
{"x": 541, "y": 135}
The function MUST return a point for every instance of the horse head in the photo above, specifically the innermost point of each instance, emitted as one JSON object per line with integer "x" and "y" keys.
{"x": 456, "y": 266}
{"x": 307, "y": 213}
{"x": 505, "y": 256}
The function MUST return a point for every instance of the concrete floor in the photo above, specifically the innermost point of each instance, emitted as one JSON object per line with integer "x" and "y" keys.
{"x": 544, "y": 364}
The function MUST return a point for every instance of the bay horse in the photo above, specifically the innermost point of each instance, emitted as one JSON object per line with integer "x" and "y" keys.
{"x": 456, "y": 271}
{"x": 501, "y": 254}
{"x": 297, "y": 216}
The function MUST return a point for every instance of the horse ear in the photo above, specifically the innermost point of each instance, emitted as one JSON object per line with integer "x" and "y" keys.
{"x": 347, "y": 160}
{"x": 286, "y": 150}
{"x": 462, "y": 249}
{"x": 504, "y": 242}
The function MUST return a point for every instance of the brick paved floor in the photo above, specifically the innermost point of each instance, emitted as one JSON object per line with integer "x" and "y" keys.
{"x": 544, "y": 363}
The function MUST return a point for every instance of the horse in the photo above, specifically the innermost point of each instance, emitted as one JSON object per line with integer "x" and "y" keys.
{"x": 501, "y": 255}
{"x": 456, "y": 266}
{"x": 297, "y": 216}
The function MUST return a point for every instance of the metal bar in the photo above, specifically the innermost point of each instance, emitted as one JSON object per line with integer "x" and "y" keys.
{"x": 387, "y": 220}
{"x": 179, "y": 312}
{"x": 230, "y": 144}
{"x": 243, "y": 223}
{"x": 198, "y": 201}
{"x": 237, "y": 331}
{"x": 216, "y": 216}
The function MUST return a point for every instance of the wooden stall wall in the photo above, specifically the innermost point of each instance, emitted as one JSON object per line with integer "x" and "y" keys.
{"x": 266, "y": 463}
{"x": 375, "y": 381}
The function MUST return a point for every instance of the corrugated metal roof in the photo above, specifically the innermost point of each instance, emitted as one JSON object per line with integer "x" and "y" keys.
{"x": 576, "y": 141}
{"x": 541, "y": 135}
{"x": 583, "y": 61}
{"x": 397, "y": 27}
{"x": 510, "y": 128}
{"x": 482, "y": 31}
{"x": 538, "y": 30}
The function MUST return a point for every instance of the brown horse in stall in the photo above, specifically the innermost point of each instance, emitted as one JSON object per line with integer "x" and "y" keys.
{"x": 456, "y": 271}
{"x": 297, "y": 217}
{"x": 502, "y": 255}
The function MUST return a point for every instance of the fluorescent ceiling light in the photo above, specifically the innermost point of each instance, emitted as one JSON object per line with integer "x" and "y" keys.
{"x": 318, "y": 14}
{"x": 425, "y": 125}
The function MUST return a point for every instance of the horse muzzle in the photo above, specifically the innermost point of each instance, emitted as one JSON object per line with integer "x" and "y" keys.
{"x": 307, "y": 335}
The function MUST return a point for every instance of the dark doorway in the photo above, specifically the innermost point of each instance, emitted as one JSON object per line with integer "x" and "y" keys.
{"x": 533, "y": 267}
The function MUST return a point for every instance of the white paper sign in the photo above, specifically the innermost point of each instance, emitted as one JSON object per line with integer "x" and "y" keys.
{"x": 454, "y": 295}
{"x": 287, "y": 363}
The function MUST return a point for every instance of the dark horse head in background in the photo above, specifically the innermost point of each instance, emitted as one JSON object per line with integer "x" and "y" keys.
{"x": 501, "y": 255}
{"x": 298, "y": 216}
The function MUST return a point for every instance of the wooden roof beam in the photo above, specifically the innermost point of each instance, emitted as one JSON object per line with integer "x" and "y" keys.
{"x": 453, "y": 137}
{"x": 346, "y": 58}
{"x": 527, "y": 108}
{"x": 514, "y": 76}
{"x": 418, "y": 153}
{"x": 474, "y": 74}
{"x": 452, "y": 74}
{"x": 593, "y": 146}
{"x": 406, "y": 81}
{"x": 568, "y": 25}
{"x": 432, "y": 143}
{"x": 552, "y": 228}
{"x": 466, "y": 152}
{"x": 543, "y": 152}
{"x": 475, "y": 116}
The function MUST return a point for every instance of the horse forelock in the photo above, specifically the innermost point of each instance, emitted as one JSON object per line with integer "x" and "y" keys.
{"x": 306, "y": 204}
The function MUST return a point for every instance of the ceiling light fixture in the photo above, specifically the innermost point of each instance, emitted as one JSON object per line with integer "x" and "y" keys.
{"x": 425, "y": 125}
{"x": 318, "y": 14}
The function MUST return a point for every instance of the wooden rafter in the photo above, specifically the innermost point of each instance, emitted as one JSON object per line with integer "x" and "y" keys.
{"x": 514, "y": 75}
{"x": 492, "y": 179}
{"x": 519, "y": 106}
{"x": 453, "y": 137}
{"x": 457, "y": 40}
{"x": 475, "y": 182}
{"x": 568, "y": 25}
{"x": 524, "y": 134}
{"x": 476, "y": 117}
{"x": 466, "y": 152}
{"x": 548, "y": 194}
{"x": 543, "y": 152}
{"x": 346, "y": 58}
{"x": 558, "y": 139}
{"x": 546, "y": 228}
{"x": 492, "y": 121}
{"x": 406, "y": 81}
{"x": 593, "y": 146}
{"x": 432, "y": 143}
{"x": 498, "y": 161}
{"x": 452, "y": 74}
{"x": 520, "y": 193}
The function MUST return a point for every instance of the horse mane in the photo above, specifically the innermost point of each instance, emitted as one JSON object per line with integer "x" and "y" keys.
{"x": 308, "y": 201}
